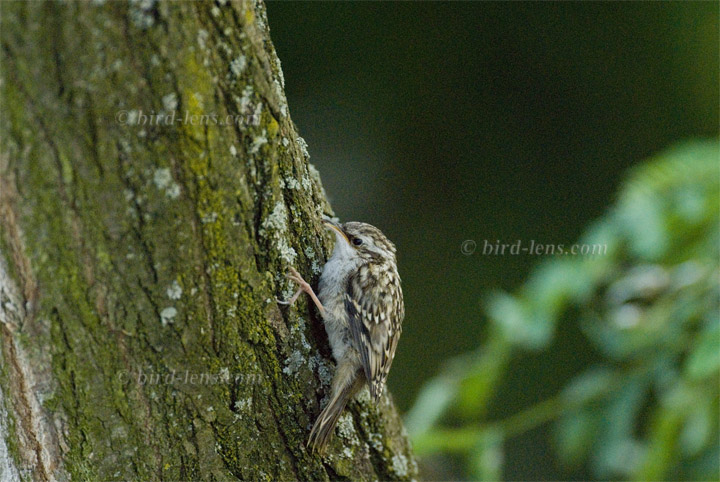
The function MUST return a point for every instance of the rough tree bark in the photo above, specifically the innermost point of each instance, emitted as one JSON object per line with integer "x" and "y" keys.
{"x": 140, "y": 258}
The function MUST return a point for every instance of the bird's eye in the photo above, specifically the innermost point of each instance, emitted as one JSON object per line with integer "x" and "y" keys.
{"x": 357, "y": 241}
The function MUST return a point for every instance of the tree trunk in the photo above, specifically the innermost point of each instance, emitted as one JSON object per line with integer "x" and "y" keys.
{"x": 144, "y": 240}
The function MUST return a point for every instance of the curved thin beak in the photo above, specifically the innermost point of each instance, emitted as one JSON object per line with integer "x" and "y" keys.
{"x": 335, "y": 227}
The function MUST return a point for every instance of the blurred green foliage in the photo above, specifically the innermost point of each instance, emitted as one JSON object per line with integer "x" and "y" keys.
{"x": 445, "y": 122}
{"x": 648, "y": 408}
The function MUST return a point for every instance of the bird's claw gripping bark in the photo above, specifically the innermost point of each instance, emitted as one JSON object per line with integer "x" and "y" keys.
{"x": 304, "y": 286}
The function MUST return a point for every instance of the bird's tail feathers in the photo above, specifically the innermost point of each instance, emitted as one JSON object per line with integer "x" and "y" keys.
{"x": 325, "y": 424}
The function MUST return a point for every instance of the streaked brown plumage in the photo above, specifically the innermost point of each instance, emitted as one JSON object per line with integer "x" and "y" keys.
{"x": 361, "y": 301}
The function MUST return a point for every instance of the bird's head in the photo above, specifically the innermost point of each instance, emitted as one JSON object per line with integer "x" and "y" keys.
{"x": 362, "y": 241}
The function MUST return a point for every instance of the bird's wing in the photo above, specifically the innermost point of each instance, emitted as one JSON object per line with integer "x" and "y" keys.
{"x": 375, "y": 307}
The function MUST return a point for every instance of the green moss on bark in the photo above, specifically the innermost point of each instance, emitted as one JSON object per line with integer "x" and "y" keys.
{"x": 159, "y": 249}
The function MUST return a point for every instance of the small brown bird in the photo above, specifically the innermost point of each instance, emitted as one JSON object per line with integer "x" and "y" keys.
{"x": 361, "y": 302}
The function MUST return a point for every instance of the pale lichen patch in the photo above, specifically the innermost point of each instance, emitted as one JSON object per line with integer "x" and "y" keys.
{"x": 258, "y": 142}
{"x": 170, "y": 102}
{"x": 174, "y": 291}
{"x": 209, "y": 218}
{"x": 167, "y": 315}
{"x": 325, "y": 371}
{"x": 246, "y": 99}
{"x": 275, "y": 227}
{"x": 132, "y": 117}
{"x": 281, "y": 98}
{"x": 376, "y": 442}
{"x": 400, "y": 465}
{"x": 306, "y": 183}
{"x": 237, "y": 65}
{"x": 277, "y": 220}
{"x": 255, "y": 117}
{"x": 141, "y": 14}
{"x": 315, "y": 176}
{"x": 163, "y": 181}
{"x": 291, "y": 183}
{"x": 173, "y": 191}
{"x": 281, "y": 75}
{"x": 315, "y": 265}
{"x": 202, "y": 37}
{"x": 346, "y": 429}
{"x": 363, "y": 396}
{"x": 242, "y": 406}
{"x": 293, "y": 363}
{"x": 303, "y": 147}
{"x": 162, "y": 178}
{"x": 298, "y": 331}
{"x": 287, "y": 253}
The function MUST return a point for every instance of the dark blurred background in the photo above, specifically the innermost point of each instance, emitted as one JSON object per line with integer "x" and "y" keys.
{"x": 446, "y": 122}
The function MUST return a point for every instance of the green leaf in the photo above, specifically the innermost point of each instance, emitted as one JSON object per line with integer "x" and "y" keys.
{"x": 517, "y": 322}
{"x": 697, "y": 430}
{"x": 431, "y": 403}
{"x": 617, "y": 452}
{"x": 554, "y": 285}
{"x": 482, "y": 378}
{"x": 588, "y": 386}
{"x": 575, "y": 435}
{"x": 487, "y": 457}
{"x": 704, "y": 359}
{"x": 642, "y": 220}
